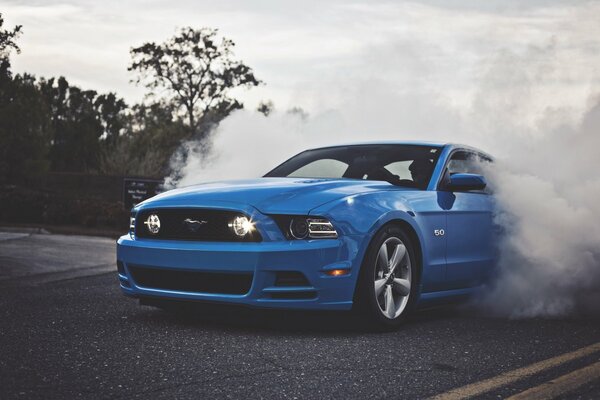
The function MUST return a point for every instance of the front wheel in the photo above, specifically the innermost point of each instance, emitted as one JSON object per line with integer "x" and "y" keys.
{"x": 387, "y": 282}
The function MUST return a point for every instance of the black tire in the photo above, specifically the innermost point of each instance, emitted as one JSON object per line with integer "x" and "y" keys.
{"x": 366, "y": 302}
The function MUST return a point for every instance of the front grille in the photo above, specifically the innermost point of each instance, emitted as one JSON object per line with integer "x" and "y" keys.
{"x": 205, "y": 225}
{"x": 191, "y": 281}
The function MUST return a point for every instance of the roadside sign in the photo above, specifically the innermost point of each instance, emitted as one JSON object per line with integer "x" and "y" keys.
{"x": 136, "y": 190}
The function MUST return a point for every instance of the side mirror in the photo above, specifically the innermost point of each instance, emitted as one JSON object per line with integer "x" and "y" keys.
{"x": 463, "y": 182}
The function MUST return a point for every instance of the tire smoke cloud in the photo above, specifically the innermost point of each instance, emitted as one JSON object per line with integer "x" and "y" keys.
{"x": 547, "y": 191}
{"x": 520, "y": 105}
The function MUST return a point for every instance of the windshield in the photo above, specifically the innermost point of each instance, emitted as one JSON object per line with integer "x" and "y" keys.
{"x": 402, "y": 165}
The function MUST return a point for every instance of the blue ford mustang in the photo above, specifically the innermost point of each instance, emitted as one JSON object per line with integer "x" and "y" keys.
{"x": 379, "y": 227}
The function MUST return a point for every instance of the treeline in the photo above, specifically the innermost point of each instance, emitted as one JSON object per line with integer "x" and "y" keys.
{"x": 48, "y": 124}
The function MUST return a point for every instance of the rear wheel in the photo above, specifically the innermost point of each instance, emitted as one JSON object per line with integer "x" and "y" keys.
{"x": 387, "y": 283}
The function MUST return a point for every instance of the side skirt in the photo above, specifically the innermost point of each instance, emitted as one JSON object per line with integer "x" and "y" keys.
{"x": 447, "y": 296}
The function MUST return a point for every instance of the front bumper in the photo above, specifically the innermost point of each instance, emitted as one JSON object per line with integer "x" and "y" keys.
{"x": 262, "y": 260}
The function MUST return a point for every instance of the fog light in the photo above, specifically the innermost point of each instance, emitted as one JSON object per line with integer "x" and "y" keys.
{"x": 153, "y": 224}
{"x": 337, "y": 272}
{"x": 241, "y": 225}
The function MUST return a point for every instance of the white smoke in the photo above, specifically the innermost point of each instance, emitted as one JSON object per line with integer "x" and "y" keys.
{"x": 534, "y": 107}
{"x": 547, "y": 192}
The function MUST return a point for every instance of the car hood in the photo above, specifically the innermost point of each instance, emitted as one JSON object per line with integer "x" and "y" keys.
{"x": 268, "y": 195}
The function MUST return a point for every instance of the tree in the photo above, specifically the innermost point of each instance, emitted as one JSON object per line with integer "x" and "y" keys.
{"x": 198, "y": 72}
{"x": 25, "y": 124}
{"x": 76, "y": 127}
{"x": 111, "y": 111}
{"x": 7, "y": 45}
{"x": 24, "y": 118}
{"x": 298, "y": 111}
{"x": 265, "y": 107}
{"x": 150, "y": 137}
{"x": 7, "y": 39}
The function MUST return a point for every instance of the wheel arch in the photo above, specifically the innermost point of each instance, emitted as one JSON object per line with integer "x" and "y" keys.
{"x": 416, "y": 242}
{"x": 361, "y": 219}
{"x": 410, "y": 230}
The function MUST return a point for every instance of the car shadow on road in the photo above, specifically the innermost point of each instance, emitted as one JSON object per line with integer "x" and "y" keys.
{"x": 217, "y": 316}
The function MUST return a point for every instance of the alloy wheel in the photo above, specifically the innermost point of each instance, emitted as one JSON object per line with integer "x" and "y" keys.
{"x": 392, "y": 277}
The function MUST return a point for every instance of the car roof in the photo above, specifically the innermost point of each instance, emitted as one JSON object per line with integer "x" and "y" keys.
{"x": 407, "y": 142}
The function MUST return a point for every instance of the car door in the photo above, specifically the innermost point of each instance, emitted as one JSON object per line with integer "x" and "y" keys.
{"x": 431, "y": 218}
{"x": 469, "y": 226}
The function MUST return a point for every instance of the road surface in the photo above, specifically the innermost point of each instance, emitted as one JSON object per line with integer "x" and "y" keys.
{"x": 67, "y": 332}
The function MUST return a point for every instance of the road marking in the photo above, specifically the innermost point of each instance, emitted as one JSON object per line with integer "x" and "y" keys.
{"x": 498, "y": 381}
{"x": 561, "y": 385}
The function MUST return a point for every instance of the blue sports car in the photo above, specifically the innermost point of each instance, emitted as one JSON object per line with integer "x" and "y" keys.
{"x": 378, "y": 227}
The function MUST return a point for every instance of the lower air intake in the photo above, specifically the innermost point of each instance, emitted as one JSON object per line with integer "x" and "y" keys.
{"x": 191, "y": 281}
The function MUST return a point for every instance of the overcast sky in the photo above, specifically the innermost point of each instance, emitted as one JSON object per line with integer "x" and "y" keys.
{"x": 301, "y": 48}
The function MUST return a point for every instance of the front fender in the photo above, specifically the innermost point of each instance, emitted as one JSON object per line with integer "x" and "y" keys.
{"x": 361, "y": 216}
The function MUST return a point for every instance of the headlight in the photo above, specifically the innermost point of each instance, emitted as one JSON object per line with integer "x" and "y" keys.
{"x": 299, "y": 228}
{"x": 241, "y": 225}
{"x": 320, "y": 228}
{"x": 153, "y": 224}
{"x": 304, "y": 227}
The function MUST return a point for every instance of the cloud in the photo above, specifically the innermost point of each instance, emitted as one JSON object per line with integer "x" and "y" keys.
{"x": 292, "y": 44}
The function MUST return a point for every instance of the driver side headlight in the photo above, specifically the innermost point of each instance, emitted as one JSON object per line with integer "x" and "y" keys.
{"x": 305, "y": 227}
{"x": 320, "y": 228}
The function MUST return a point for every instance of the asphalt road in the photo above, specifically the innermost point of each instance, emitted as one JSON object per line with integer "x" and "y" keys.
{"x": 67, "y": 332}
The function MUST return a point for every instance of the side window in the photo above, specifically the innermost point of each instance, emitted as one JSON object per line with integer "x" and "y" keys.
{"x": 324, "y": 168}
{"x": 467, "y": 163}
{"x": 461, "y": 163}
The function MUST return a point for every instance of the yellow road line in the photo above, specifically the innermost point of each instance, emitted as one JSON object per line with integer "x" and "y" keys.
{"x": 561, "y": 385}
{"x": 498, "y": 381}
